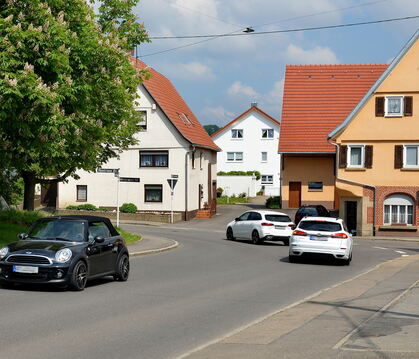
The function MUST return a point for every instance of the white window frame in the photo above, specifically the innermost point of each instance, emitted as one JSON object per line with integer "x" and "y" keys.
{"x": 392, "y": 201}
{"x": 234, "y": 157}
{"x": 401, "y": 113}
{"x": 235, "y": 134}
{"x": 143, "y": 123}
{"x": 265, "y": 180}
{"x": 348, "y": 156}
{"x": 261, "y": 156}
{"x": 405, "y": 165}
{"x": 267, "y": 133}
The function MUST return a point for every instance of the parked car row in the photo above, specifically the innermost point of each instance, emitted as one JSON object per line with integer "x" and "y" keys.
{"x": 313, "y": 232}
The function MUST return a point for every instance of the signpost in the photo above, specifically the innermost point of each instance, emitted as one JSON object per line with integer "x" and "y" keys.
{"x": 172, "y": 183}
{"x": 129, "y": 179}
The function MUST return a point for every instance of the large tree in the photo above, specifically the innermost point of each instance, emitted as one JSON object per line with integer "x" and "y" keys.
{"x": 67, "y": 86}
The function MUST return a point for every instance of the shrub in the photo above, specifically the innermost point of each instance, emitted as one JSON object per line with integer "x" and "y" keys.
{"x": 72, "y": 207}
{"x": 219, "y": 192}
{"x": 24, "y": 218}
{"x": 273, "y": 202}
{"x": 128, "y": 208}
{"x": 240, "y": 173}
{"x": 243, "y": 195}
{"x": 87, "y": 207}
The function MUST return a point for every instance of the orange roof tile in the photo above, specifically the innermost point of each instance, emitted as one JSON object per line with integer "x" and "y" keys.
{"x": 317, "y": 98}
{"x": 175, "y": 108}
{"x": 252, "y": 108}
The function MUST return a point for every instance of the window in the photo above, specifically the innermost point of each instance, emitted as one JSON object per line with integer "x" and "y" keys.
{"x": 82, "y": 193}
{"x": 153, "y": 193}
{"x": 143, "y": 123}
{"x": 267, "y": 179}
{"x": 200, "y": 160}
{"x": 315, "y": 186}
{"x": 236, "y": 134}
{"x": 277, "y": 218}
{"x": 393, "y": 106}
{"x": 244, "y": 216}
{"x": 268, "y": 133}
{"x": 321, "y": 226}
{"x": 98, "y": 229}
{"x": 264, "y": 156}
{"x": 193, "y": 160}
{"x": 355, "y": 156}
{"x": 411, "y": 156}
{"x": 154, "y": 159}
{"x": 398, "y": 209}
{"x": 234, "y": 156}
{"x": 254, "y": 216}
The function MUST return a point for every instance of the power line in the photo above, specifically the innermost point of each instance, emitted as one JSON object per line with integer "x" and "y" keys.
{"x": 286, "y": 30}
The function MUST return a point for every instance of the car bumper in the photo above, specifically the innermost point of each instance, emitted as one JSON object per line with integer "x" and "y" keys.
{"x": 276, "y": 235}
{"x": 298, "y": 250}
{"x": 45, "y": 275}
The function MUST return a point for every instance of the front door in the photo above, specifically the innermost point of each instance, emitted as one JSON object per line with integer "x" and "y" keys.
{"x": 350, "y": 215}
{"x": 294, "y": 195}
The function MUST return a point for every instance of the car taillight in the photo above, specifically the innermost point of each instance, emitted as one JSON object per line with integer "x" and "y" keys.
{"x": 299, "y": 233}
{"x": 340, "y": 235}
{"x": 266, "y": 224}
{"x": 291, "y": 225}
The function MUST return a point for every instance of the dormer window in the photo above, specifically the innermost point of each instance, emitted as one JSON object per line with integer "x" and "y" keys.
{"x": 236, "y": 134}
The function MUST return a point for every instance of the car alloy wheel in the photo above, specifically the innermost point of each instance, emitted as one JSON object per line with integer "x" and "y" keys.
{"x": 79, "y": 276}
{"x": 229, "y": 234}
{"x": 122, "y": 269}
{"x": 255, "y": 237}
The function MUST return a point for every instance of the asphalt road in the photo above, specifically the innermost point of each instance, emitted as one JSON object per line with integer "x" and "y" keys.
{"x": 174, "y": 301}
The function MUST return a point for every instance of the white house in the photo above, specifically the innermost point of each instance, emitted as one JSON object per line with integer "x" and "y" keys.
{"x": 172, "y": 145}
{"x": 250, "y": 143}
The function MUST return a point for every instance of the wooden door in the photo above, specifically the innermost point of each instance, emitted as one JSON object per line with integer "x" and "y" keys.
{"x": 350, "y": 216}
{"x": 294, "y": 195}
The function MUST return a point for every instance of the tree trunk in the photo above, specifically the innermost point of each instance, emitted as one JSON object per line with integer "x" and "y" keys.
{"x": 29, "y": 194}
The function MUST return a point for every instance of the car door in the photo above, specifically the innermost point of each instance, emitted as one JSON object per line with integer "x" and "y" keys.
{"x": 252, "y": 223}
{"x": 240, "y": 225}
{"x": 104, "y": 254}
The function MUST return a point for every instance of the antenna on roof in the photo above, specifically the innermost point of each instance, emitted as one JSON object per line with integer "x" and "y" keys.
{"x": 254, "y": 104}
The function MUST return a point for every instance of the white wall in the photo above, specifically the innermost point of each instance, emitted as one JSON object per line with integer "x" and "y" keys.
{"x": 252, "y": 145}
{"x": 237, "y": 185}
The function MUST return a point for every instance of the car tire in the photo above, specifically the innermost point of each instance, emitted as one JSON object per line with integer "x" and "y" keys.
{"x": 122, "y": 269}
{"x": 286, "y": 242}
{"x": 78, "y": 278}
{"x": 348, "y": 261}
{"x": 229, "y": 234}
{"x": 255, "y": 237}
{"x": 292, "y": 259}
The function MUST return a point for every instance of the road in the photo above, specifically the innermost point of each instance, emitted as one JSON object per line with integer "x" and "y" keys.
{"x": 174, "y": 301}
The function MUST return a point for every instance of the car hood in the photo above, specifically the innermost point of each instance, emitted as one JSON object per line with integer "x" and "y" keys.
{"x": 37, "y": 246}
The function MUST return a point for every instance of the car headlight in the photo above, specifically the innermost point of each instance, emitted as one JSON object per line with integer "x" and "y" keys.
{"x": 3, "y": 252}
{"x": 63, "y": 255}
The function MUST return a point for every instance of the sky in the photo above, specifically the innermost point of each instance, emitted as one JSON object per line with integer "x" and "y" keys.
{"x": 220, "y": 78}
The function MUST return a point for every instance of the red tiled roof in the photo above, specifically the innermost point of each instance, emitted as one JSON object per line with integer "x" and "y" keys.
{"x": 317, "y": 98}
{"x": 175, "y": 108}
{"x": 252, "y": 108}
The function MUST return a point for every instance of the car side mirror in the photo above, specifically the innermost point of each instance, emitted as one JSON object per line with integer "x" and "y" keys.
{"x": 237, "y": 219}
{"x": 99, "y": 239}
{"x": 22, "y": 236}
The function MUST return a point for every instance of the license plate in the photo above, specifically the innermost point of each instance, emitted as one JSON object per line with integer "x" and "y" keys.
{"x": 315, "y": 238}
{"x": 279, "y": 227}
{"x": 25, "y": 269}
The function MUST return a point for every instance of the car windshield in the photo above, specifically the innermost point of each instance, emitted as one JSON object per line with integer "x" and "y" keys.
{"x": 321, "y": 226}
{"x": 58, "y": 230}
{"x": 277, "y": 218}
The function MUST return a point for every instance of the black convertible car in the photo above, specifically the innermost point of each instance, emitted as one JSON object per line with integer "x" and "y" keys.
{"x": 66, "y": 250}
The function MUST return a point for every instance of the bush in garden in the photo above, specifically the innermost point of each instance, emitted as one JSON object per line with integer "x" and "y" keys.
{"x": 128, "y": 208}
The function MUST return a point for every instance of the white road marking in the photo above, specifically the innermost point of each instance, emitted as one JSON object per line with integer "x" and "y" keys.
{"x": 380, "y": 248}
{"x": 400, "y": 252}
{"x": 405, "y": 255}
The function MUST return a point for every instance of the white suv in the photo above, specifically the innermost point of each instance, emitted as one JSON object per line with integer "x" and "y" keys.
{"x": 321, "y": 235}
{"x": 261, "y": 225}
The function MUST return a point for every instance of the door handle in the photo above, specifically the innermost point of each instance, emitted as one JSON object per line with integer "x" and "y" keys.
{"x": 110, "y": 245}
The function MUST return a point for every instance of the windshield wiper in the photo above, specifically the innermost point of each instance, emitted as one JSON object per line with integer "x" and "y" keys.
{"x": 58, "y": 239}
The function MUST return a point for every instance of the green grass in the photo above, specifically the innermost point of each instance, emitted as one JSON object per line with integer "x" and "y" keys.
{"x": 9, "y": 232}
{"x": 128, "y": 237}
{"x": 231, "y": 200}
{"x": 25, "y": 218}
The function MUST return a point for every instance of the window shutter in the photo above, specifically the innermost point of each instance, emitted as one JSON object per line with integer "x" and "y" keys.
{"x": 342, "y": 156}
{"x": 368, "y": 156}
{"x": 398, "y": 156}
{"x": 379, "y": 107}
{"x": 408, "y": 106}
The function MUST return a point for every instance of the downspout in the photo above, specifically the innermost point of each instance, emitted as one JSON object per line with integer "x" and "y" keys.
{"x": 192, "y": 149}
{"x": 356, "y": 183}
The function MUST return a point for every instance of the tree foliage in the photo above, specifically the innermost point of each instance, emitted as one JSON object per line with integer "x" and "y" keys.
{"x": 67, "y": 86}
{"x": 211, "y": 129}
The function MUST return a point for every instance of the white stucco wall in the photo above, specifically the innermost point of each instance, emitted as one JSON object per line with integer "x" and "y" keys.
{"x": 252, "y": 145}
{"x": 160, "y": 135}
{"x": 235, "y": 185}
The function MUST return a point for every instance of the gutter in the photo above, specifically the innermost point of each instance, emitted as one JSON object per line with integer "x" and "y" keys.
{"x": 191, "y": 150}
{"x": 356, "y": 183}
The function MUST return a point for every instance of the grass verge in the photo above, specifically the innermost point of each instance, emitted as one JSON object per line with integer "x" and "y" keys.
{"x": 9, "y": 232}
{"x": 128, "y": 237}
{"x": 232, "y": 200}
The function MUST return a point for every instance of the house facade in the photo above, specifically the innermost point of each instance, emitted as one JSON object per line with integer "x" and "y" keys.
{"x": 172, "y": 145}
{"x": 250, "y": 143}
{"x": 317, "y": 98}
{"x": 378, "y": 152}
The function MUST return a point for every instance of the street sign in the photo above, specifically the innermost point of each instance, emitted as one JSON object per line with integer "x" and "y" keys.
{"x": 172, "y": 182}
{"x": 107, "y": 170}
{"x": 175, "y": 176}
{"x": 129, "y": 179}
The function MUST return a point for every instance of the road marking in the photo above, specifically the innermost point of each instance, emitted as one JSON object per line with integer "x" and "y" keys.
{"x": 405, "y": 255}
{"x": 380, "y": 248}
{"x": 400, "y": 252}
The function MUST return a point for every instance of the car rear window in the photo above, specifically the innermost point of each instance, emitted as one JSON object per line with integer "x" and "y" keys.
{"x": 320, "y": 226}
{"x": 277, "y": 218}
{"x": 308, "y": 212}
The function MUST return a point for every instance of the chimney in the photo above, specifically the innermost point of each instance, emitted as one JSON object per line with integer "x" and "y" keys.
{"x": 254, "y": 104}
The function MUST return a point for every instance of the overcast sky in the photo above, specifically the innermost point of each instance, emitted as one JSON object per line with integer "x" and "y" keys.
{"x": 220, "y": 78}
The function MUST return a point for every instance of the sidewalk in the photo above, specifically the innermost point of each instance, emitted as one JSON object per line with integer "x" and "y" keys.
{"x": 151, "y": 245}
{"x": 374, "y": 315}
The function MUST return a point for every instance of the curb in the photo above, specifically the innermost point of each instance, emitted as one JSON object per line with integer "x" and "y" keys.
{"x": 153, "y": 251}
